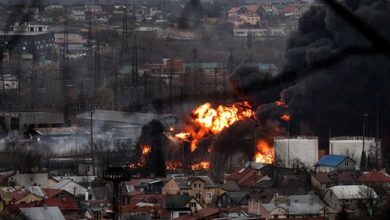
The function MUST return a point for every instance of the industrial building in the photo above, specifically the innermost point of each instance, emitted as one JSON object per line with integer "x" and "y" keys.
{"x": 353, "y": 147}
{"x": 296, "y": 151}
{"x": 20, "y": 121}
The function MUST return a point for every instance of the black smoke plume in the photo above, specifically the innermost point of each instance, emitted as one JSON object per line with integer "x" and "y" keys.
{"x": 332, "y": 74}
{"x": 153, "y": 135}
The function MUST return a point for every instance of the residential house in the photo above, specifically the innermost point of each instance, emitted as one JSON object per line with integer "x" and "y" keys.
{"x": 205, "y": 213}
{"x": 29, "y": 179}
{"x": 77, "y": 14}
{"x": 233, "y": 199}
{"x": 348, "y": 197}
{"x": 200, "y": 187}
{"x": 379, "y": 180}
{"x": 39, "y": 213}
{"x": 68, "y": 206}
{"x": 179, "y": 205}
{"x": 77, "y": 44}
{"x": 71, "y": 187}
{"x": 323, "y": 180}
{"x": 334, "y": 162}
{"x": 20, "y": 194}
{"x": 295, "y": 206}
{"x": 245, "y": 178}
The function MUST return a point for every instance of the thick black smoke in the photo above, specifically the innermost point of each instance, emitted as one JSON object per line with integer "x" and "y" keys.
{"x": 153, "y": 135}
{"x": 331, "y": 76}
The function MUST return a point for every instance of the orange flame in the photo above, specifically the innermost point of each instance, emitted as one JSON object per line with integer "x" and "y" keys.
{"x": 214, "y": 120}
{"x": 281, "y": 104}
{"x": 203, "y": 165}
{"x": 265, "y": 153}
{"x": 286, "y": 117}
{"x": 146, "y": 149}
{"x": 173, "y": 165}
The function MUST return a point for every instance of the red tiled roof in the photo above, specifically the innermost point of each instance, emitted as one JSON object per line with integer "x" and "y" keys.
{"x": 234, "y": 10}
{"x": 245, "y": 177}
{"x": 68, "y": 204}
{"x": 18, "y": 194}
{"x": 375, "y": 176}
{"x": 290, "y": 8}
{"x": 204, "y": 213}
{"x": 50, "y": 193}
{"x": 13, "y": 208}
{"x": 336, "y": 177}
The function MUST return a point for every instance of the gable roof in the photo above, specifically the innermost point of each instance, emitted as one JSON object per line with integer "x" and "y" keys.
{"x": 238, "y": 197}
{"x": 352, "y": 191}
{"x": 36, "y": 213}
{"x": 344, "y": 177}
{"x": 375, "y": 176}
{"x": 64, "y": 204}
{"x": 50, "y": 193}
{"x": 177, "y": 201}
{"x": 331, "y": 160}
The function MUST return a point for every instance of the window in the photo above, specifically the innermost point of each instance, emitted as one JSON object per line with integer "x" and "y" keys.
{"x": 197, "y": 195}
{"x": 193, "y": 204}
{"x": 209, "y": 195}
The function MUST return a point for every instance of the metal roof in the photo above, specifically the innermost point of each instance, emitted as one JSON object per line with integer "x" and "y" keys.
{"x": 353, "y": 192}
{"x": 331, "y": 160}
{"x": 37, "y": 213}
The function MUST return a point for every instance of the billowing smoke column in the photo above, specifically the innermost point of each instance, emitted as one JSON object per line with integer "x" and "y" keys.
{"x": 152, "y": 146}
{"x": 331, "y": 76}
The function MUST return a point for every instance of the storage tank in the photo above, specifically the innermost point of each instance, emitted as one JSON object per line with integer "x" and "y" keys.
{"x": 290, "y": 151}
{"x": 353, "y": 147}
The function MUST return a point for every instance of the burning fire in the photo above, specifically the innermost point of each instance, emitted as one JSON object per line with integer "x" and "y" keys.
{"x": 286, "y": 117}
{"x": 281, "y": 104}
{"x": 146, "y": 149}
{"x": 265, "y": 153}
{"x": 203, "y": 165}
{"x": 173, "y": 165}
{"x": 213, "y": 120}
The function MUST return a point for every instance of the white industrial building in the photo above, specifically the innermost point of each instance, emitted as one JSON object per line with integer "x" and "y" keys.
{"x": 296, "y": 151}
{"x": 353, "y": 147}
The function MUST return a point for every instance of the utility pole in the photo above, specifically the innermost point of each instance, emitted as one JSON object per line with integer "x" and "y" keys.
{"x": 97, "y": 66}
{"x": 65, "y": 73}
{"x": 93, "y": 162}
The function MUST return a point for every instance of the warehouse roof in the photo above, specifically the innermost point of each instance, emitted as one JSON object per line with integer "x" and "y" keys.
{"x": 331, "y": 160}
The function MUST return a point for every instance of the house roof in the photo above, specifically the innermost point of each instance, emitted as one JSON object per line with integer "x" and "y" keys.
{"x": 246, "y": 177}
{"x": 331, "y": 160}
{"x": 70, "y": 186}
{"x": 230, "y": 186}
{"x": 352, "y": 191}
{"x": 375, "y": 176}
{"x": 185, "y": 182}
{"x": 53, "y": 213}
{"x": 64, "y": 204}
{"x": 204, "y": 213}
{"x": 344, "y": 176}
{"x": 238, "y": 197}
{"x": 233, "y": 10}
{"x": 296, "y": 208}
{"x": 50, "y": 193}
{"x": 177, "y": 201}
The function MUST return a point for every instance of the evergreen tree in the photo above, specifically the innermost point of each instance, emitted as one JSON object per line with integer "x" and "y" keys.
{"x": 363, "y": 159}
